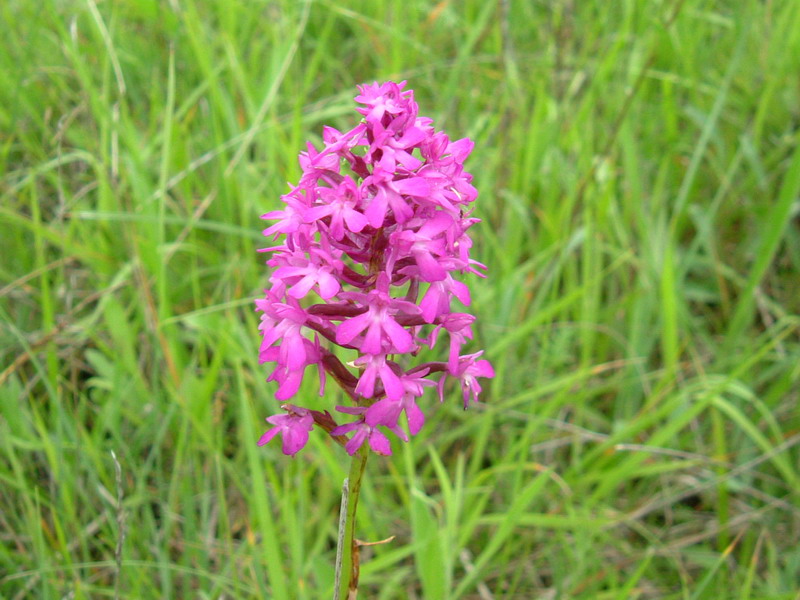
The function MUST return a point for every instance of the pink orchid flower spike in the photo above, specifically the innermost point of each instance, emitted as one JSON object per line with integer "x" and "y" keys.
{"x": 368, "y": 254}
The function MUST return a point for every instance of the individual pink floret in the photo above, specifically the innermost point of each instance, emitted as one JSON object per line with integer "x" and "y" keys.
{"x": 293, "y": 427}
{"x": 363, "y": 432}
{"x": 467, "y": 371}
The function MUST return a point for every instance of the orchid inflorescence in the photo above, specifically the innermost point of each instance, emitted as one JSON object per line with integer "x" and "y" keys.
{"x": 377, "y": 229}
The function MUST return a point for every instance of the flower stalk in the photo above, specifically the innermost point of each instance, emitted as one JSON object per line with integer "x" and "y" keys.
{"x": 347, "y": 563}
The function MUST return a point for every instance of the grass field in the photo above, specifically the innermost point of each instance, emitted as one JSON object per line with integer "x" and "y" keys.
{"x": 639, "y": 170}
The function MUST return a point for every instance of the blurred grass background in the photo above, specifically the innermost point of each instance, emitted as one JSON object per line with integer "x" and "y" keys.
{"x": 639, "y": 172}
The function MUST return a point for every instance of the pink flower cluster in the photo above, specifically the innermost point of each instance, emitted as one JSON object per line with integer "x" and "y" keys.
{"x": 373, "y": 237}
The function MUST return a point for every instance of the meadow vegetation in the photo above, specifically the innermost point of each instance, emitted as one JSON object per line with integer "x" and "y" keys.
{"x": 639, "y": 174}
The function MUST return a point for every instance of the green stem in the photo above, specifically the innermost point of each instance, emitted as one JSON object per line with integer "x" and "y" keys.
{"x": 346, "y": 570}
{"x": 721, "y": 455}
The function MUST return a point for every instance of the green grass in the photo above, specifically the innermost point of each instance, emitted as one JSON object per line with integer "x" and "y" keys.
{"x": 639, "y": 170}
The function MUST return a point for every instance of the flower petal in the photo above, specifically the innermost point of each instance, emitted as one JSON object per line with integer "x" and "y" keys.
{"x": 355, "y": 220}
{"x": 293, "y": 440}
{"x": 271, "y": 433}
{"x": 372, "y": 341}
{"x": 328, "y": 286}
{"x": 401, "y": 338}
{"x": 413, "y": 186}
{"x": 391, "y": 383}
{"x": 350, "y": 328}
{"x": 429, "y": 267}
{"x": 379, "y": 443}
{"x": 355, "y": 442}
{"x": 416, "y": 418}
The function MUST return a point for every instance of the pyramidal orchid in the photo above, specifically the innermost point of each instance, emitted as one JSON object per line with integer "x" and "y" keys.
{"x": 367, "y": 260}
{"x": 370, "y": 249}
